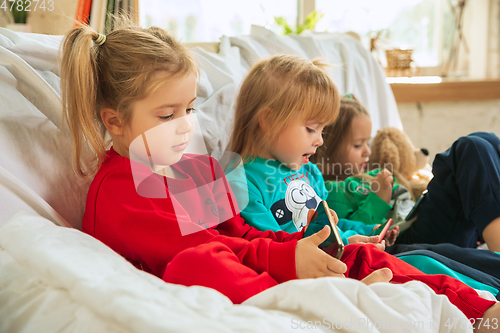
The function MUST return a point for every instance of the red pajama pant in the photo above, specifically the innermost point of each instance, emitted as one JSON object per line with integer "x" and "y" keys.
{"x": 215, "y": 265}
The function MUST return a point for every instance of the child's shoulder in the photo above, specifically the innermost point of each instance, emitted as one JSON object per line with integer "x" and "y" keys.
{"x": 113, "y": 168}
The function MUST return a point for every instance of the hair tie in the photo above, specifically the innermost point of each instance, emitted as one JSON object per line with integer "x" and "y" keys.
{"x": 100, "y": 40}
{"x": 349, "y": 96}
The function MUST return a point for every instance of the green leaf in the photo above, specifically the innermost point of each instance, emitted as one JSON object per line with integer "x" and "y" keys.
{"x": 282, "y": 22}
{"x": 311, "y": 20}
{"x": 309, "y": 23}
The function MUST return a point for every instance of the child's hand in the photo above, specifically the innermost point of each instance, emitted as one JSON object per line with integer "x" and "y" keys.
{"x": 391, "y": 235}
{"x": 360, "y": 239}
{"x": 382, "y": 185}
{"x": 312, "y": 262}
{"x": 335, "y": 217}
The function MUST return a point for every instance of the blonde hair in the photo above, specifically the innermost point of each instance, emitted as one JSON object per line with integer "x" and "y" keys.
{"x": 113, "y": 74}
{"x": 336, "y": 136}
{"x": 277, "y": 90}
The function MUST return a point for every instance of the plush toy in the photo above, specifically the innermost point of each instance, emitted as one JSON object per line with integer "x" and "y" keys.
{"x": 393, "y": 149}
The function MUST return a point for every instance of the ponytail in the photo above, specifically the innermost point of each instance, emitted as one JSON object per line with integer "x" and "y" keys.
{"x": 79, "y": 86}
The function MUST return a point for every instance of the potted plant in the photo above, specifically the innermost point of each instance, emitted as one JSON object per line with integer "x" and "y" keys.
{"x": 17, "y": 15}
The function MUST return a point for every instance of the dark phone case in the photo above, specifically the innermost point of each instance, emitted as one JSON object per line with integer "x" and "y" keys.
{"x": 414, "y": 211}
{"x": 333, "y": 245}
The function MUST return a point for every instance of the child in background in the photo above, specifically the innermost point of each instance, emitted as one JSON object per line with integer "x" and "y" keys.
{"x": 130, "y": 83}
{"x": 283, "y": 186}
{"x": 462, "y": 200}
{"x": 365, "y": 196}
{"x": 352, "y": 193}
{"x": 282, "y": 107}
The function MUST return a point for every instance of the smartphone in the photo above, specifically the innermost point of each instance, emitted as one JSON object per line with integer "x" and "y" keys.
{"x": 414, "y": 211}
{"x": 382, "y": 233}
{"x": 333, "y": 245}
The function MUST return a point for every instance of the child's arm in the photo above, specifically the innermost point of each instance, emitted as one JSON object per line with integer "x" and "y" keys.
{"x": 371, "y": 211}
{"x": 351, "y": 227}
{"x": 237, "y": 226}
{"x": 147, "y": 231}
{"x": 256, "y": 214}
{"x": 382, "y": 185}
{"x": 353, "y": 200}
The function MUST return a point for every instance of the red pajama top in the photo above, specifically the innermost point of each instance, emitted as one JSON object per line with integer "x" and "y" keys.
{"x": 168, "y": 216}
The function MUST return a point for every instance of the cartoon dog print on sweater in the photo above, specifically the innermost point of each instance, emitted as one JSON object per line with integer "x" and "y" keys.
{"x": 300, "y": 197}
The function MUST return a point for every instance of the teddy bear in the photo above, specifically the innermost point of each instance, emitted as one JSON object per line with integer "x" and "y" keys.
{"x": 393, "y": 149}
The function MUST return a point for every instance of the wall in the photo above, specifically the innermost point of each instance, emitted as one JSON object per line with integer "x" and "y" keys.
{"x": 56, "y": 22}
{"x": 436, "y": 125}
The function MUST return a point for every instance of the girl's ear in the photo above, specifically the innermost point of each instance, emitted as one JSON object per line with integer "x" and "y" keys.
{"x": 263, "y": 119}
{"x": 112, "y": 120}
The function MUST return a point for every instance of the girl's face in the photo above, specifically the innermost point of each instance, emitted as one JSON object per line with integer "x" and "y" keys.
{"x": 296, "y": 143}
{"x": 161, "y": 124}
{"x": 357, "y": 151}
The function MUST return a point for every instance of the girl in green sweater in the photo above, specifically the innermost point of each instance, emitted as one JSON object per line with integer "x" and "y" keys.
{"x": 353, "y": 193}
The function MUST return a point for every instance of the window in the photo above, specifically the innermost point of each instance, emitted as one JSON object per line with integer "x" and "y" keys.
{"x": 426, "y": 26}
{"x": 208, "y": 20}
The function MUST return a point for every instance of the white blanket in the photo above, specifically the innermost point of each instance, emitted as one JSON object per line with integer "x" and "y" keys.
{"x": 55, "y": 279}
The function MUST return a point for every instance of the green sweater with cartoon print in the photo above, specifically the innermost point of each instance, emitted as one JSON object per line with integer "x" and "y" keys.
{"x": 353, "y": 199}
{"x": 273, "y": 197}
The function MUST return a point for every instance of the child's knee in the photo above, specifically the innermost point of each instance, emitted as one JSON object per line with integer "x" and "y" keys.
{"x": 476, "y": 144}
{"x": 197, "y": 259}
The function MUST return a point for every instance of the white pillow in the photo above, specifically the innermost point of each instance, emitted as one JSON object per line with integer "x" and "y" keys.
{"x": 35, "y": 168}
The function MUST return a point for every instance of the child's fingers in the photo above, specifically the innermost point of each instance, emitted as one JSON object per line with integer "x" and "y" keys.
{"x": 387, "y": 172}
{"x": 363, "y": 239}
{"x": 391, "y": 236}
{"x": 335, "y": 216}
{"x": 381, "y": 245}
{"x": 372, "y": 239}
{"x": 335, "y": 267}
{"x": 320, "y": 236}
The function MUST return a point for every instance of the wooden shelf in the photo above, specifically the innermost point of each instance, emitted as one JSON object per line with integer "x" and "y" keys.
{"x": 446, "y": 91}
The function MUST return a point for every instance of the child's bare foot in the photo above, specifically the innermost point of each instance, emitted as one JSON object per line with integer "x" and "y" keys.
{"x": 490, "y": 322}
{"x": 380, "y": 275}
